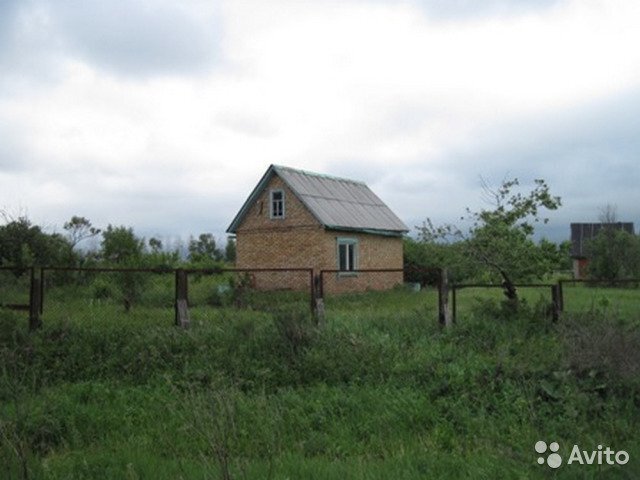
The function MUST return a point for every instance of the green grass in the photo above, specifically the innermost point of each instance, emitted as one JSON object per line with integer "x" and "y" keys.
{"x": 577, "y": 298}
{"x": 582, "y": 297}
{"x": 380, "y": 391}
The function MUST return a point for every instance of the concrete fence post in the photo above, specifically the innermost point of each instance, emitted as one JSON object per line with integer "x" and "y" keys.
{"x": 444, "y": 314}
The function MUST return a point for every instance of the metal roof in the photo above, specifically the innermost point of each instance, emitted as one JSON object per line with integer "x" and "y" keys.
{"x": 337, "y": 203}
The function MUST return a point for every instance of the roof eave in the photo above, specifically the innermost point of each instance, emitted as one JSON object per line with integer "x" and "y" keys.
{"x": 371, "y": 231}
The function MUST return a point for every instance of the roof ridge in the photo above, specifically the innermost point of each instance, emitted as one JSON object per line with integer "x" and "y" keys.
{"x": 316, "y": 174}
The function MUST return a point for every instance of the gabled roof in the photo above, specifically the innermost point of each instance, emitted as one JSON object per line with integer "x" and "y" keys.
{"x": 337, "y": 203}
{"x": 582, "y": 233}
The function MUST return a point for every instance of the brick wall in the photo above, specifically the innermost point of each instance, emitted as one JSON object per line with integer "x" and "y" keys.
{"x": 374, "y": 252}
{"x": 299, "y": 241}
{"x": 258, "y": 217}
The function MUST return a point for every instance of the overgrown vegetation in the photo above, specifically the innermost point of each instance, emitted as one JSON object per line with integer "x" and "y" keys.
{"x": 379, "y": 392}
{"x": 255, "y": 389}
{"x": 496, "y": 239}
{"x": 614, "y": 252}
{"x": 24, "y": 245}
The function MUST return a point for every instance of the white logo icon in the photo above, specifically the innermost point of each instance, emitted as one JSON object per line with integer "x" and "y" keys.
{"x": 553, "y": 460}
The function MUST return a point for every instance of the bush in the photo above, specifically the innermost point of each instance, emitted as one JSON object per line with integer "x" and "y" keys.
{"x": 102, "y": 289}
{"x": 295, "y": 326}
{"x": 599, "y": 343}
{"x": 10, "y": 330}
{"x": 510, "y": 310}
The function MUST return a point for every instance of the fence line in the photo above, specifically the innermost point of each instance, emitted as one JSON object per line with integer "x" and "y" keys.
{"x": 315, "y": 283}
{"x": 556, "y": 301}
{"x": 33, "y": 307}
{"x": 444, "y": 317}
{"x": 300, "y": 279}
{"x": 556, "y": 289}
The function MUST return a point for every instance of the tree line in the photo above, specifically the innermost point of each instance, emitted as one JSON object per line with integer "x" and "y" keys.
{"x": 23, "y": 245}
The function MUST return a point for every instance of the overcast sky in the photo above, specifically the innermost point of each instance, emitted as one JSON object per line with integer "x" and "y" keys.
{"x": 164, "y": 114}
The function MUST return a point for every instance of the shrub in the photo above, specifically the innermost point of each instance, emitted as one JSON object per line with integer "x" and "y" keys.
{"x": 102, "y": 289}
{"x": 599, "y": 343}
{"x": 295, "y": 326}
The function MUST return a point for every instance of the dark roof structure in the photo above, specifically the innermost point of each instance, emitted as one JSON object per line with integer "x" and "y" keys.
{"x": 582, "y": 233}
{"x": 337, "y": 203}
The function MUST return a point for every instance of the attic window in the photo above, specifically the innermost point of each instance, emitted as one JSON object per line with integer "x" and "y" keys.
{"x": 277, "y": 203}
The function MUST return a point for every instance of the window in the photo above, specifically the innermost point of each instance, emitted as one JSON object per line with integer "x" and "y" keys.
{"x": 277, "y": 204}
{"x": 347, "y": 254}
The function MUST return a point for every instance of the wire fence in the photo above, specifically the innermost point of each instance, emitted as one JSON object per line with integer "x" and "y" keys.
{"x": 565, "y": 296}
{"x": 580, "y": 295}
{"x": 151, "y": 295}
{"x": 15, "y": 285}
{"x": 468, "y": 298}
{"x": 61, "y": 294}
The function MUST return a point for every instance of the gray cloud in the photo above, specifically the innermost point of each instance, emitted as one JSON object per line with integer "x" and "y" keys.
{"x": 8, "y": 11}
{"x": 137, "y": 37}
{"x": 14, "y": 154}
{"x": 130, "y": 37}
{"x": 588, "y": 155}
{"x": 462, "y": 9}
{"x": 25, "y": 42}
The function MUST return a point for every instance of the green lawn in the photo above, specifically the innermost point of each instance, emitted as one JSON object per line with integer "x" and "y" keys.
{"x": 379, "y": 392}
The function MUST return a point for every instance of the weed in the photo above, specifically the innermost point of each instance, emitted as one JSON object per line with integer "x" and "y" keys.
{"x": 601, "y": 343}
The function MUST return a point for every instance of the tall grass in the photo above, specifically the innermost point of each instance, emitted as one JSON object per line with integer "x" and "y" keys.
{"x": 380, "y": 391}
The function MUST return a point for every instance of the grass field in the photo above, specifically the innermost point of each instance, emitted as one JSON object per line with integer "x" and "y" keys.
{"x": 379, "y": 392}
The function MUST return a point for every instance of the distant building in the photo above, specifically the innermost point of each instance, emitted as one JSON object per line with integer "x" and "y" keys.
{"x": 299, "y": 219}
{"x": 581, "y": 234}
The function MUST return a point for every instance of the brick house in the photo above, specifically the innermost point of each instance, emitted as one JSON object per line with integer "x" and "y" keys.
{"x": 299, "y": 219}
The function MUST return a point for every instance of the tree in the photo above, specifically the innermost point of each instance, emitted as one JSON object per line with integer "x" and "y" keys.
{"x": 558, "y": 254}
{"x": 204, "y": 250}
{"x": 423, "y": 255}
{"x": 614, "y": 253}
{"x": 155, "y": 245}
{"x": 159, "y": 257}
{"x": 79, "y": 228}
{"x": 499, "y": 238}
{"x": 230, "y": 250}
{"x": 24, "y": 245}
{"x": 121, "y": 246}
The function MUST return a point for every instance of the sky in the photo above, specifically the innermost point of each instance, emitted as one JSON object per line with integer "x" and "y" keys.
{"x": 163, "y": 115}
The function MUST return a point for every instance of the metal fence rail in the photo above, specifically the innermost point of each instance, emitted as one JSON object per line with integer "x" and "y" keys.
{"x": 556, "y": 302}
{"x": 67, "y": 293}
{"x": 62, "y": 292}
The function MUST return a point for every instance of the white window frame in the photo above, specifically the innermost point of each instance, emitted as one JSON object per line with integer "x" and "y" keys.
{"x": 354, "y": 245}
{"x": 272, "y": 202}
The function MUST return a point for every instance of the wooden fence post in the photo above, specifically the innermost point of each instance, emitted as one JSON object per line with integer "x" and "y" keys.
{"x": 444, "y": 314}
{"x": 560, "y": 296}
{"x": 318, "y": 300}
{"x": 555, "y": 302}
{"x": 182, "y": 299}
{"x": 454, "y": 301}
{"x": 42, "y": 282}
{"x": 35, "y": 321}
